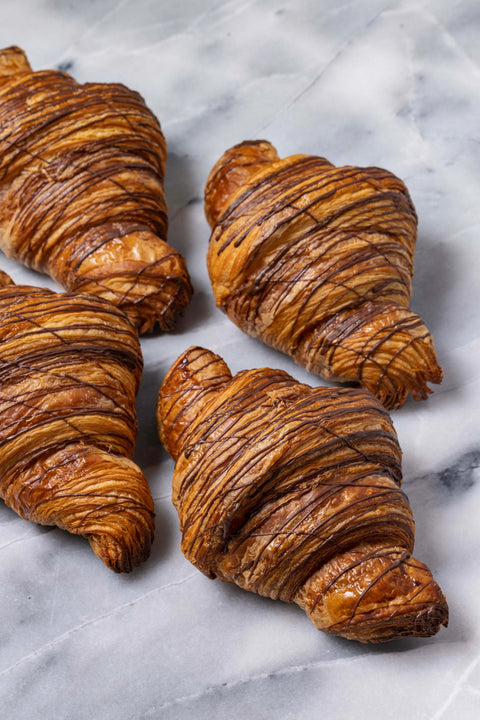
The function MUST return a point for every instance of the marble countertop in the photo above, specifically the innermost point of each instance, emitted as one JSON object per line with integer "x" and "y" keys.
{"x": 393, "y": 83}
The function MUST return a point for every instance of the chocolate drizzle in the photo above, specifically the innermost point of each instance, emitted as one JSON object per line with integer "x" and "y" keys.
{"x": 70, "y": 367}
{"x": 317, "y": 261}
{"x": 81, "y": 183}
{"x": 294, "y": 493}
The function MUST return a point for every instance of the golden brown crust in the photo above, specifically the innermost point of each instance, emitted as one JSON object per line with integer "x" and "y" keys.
{"x": 69, "y": 372}
{"x": 5, "y": 279}
{"x": 294, "y": 493}
{"x": 13, "y": 61}
{"x": 317, "y": 261}
{"x": 81, "y": 191}
{"x": 232, "y": 171}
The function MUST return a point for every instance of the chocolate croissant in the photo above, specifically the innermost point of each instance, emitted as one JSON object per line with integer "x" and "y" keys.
{"x": 70, "y": 366}
{"x": 294, "y": 493}
{"x": 81, "y": 191}
{"x": 317, "y": 261}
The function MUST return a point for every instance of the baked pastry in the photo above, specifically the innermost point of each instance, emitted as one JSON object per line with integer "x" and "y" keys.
{"x": 70, "y": 366}
{"x": 81, "y": 191}
{"x": 294, "y": 493}
{"x": 317, "y": 261}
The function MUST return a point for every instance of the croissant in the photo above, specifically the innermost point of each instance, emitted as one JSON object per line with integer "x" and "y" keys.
{"x": 81, "y": 191}
{"x": 294, "y": 493}
{"x": 70, "y": 367}
{"x": 317, "y": 261}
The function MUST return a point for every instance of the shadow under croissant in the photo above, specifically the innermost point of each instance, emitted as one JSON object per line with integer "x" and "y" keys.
{"x": 293, "y": 492}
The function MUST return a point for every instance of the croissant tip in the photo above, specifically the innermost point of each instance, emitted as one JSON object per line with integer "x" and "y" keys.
{"x": 415, "y": 384}
{"x": 119, "y": 556}
{"x": 231, "y": 171}
{"x": 5, "y": 279}
{"x": 13, "y": 61}
{"x": 404, "y": 622}
{"x": 195, "y": 374}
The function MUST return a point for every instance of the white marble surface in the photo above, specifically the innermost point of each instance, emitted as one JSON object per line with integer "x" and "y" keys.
{"x": 393, "y": 83}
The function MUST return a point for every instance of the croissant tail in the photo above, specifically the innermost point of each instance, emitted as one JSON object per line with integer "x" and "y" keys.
{"x": 147, "y": 285}
{"x": 88, "y": 492}
{"x": 383, "y": 346}
{"x": 193, "y": 378}
{"x": 374, "y": 594}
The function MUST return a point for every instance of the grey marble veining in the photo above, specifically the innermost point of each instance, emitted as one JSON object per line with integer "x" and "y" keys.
{"x": 393, "y": 83}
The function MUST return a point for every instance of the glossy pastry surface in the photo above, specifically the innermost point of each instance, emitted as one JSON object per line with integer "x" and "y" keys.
{"x": 294, "y": 493}
{"x": 70, "y": 366}
{"x": 317, "y": 261}
{"x": 81, "y": 190}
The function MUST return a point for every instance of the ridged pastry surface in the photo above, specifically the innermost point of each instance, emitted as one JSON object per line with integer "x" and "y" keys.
{"x": 317, "y": 261}
{"x": 81, "y": 191}
{"x": 70, "y": 366}
{"x": 294, "y": 493}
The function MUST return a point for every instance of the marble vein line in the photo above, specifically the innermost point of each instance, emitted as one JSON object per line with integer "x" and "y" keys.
{"x": 219, "y": 687}
{"x": 93, "y": 621}
{"x": 451, "y": 41}
{"x": 418, "y": 148}
{"x": 29, "y": 535}
{"x": 229, "y": 10}
{"x": 91, "y": 30}
{"x": 55, "y": 591}
{"x": 193, "y": 27}
{"x": 466, "y": 229}
{"x": 459, "y": 685}
{"x": 160, "y": 498}
{"x": 459, "y": 385}
{"x": 320, "y": 74}
{"x": 195, "y": 200}
{"x": 457, "y": 476}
